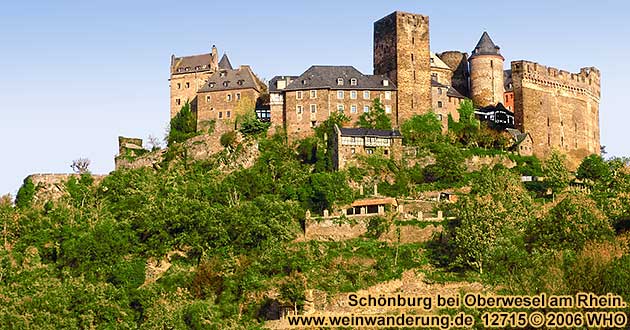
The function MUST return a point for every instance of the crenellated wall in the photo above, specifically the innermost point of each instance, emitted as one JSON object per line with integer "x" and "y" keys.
{"x": 560, "y": 109}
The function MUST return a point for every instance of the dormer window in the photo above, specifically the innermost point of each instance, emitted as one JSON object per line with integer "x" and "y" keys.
{"x": 339, "y": 81}
{"x": 197, "y": 67}
{"x": 187, "y": 68}
{"x": 226, "y": 83}
{"x": 240, "y": 82}
{"x": 304, "y": 82}
{"x": 211, "y": 85}
{"x": 353, "y": 81}
{"x": 385, "y": 82}
{"x": 222, "y": 74}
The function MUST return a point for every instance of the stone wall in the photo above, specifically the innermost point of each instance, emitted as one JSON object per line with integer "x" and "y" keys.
{"x": 486, "y": 80}
{"x": 52, "y": 186}
{"x": 184, "y": 88}
{"x": 458, "y": 62}
{"x": 558, "y": 108}
{"x": 223, "y": 107}
{"x": 401, "y": 51}
{"x": 326, "y": 102}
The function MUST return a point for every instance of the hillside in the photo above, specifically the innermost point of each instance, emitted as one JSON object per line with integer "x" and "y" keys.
{"x": 193, "y": 244}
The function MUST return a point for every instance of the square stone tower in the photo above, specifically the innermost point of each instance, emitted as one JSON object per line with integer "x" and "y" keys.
{"x": 401, "y": 51}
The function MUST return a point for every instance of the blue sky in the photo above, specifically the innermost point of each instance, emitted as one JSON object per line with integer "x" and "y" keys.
{"x": 76, "y": 74}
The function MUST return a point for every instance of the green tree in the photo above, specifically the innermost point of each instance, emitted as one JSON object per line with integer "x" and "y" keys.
{"x": 25, "y": 194}
{"x": 449, "y": 165}
{"x": 593, "y": 168}
{"x": 491, "y": 220}
{"x": 375, "y": 118}
{"x": 557, "y": 176}
{"x": 422, "y": 129}
{"x": 466, "y": 129}
{"x": 183, "y": 126}
{"x": 250, "y": 125}
{"x": 569, "y": 225}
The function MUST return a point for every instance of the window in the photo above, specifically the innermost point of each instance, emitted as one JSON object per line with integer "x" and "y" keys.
{"x": 313, "y": 94}
{"x": 313, "y": 108}
{"x": 439, "y": 116}
{"x": 366, "y": 95}
{"x": 227, "y": 114}
{"x": 187, "y": 85}
{"x": 229, "y": 97}
{"x": 298, "y": 95}
{"x": 434, "y": 76}
{"x": 366, "y": 108}
{"x": 340, "y": 107}
{"x": 385, "y": 152}
{"x": 340, "y": 95}
{"x": 353, "y": 108}
{"x": 238, "y": 96}
{"x": 222, "y": 74}
{"x": 240, "y": 82}
{"x": 211, "y": 85}
{"x": 388, "y": 95}
{"x": 385, "y": 82}
{"x": 179, "y": 85}
{"x": 339, "y": 81}
{"x": 439, "y": 91}
{"x": 178, "y": 101}
{"x": 369, "y": 151}
{"x": 388, "y": 109}
{"x": 313, "y": 123}
{"x": 439, "y": 104}
{"x": 298, "y": 109}
{"x": 353, "y": 95}
{"x": 211, "y": 109}
{"x": 226, "y": 83}
{"x": 208, "y": 98}
{"x": 220, "y": 114}
{"x": 412, "y": 57}
{"x": 353, "y": 81}
{"x": 352, "y": 150}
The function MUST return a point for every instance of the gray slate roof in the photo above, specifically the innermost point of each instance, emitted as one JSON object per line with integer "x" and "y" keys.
{"x": 274, "y": 80}
{"x": 450, "y": 91}
{"x": 194, "y": 63}
{"x": 493, "y": 108}
{"x": 222, "y": 80}
{"x": 224, "y": 63}
{"x": 517, "y": 136}
{"x": 325, "y": 76}
{"x": 485, "y": 46}
{"x": 357, "y": 131}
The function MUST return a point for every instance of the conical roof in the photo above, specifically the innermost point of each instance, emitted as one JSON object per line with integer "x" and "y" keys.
{"x": 485, "y": 46}
{"x": 224, "y": 63}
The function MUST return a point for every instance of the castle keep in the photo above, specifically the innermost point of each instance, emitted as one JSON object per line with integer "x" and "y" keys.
{"x": 554, "y": 108}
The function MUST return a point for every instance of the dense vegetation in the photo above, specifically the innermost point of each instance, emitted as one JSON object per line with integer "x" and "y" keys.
{"x": 85, "y": 261}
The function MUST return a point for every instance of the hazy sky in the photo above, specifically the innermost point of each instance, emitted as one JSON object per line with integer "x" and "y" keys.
{"x": 74, "y": 75}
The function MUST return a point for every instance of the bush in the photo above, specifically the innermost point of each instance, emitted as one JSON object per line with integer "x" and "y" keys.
{"x": 24, "y": 197}
{"x": 183, "y": 126}
{"x": 228, "y": 139}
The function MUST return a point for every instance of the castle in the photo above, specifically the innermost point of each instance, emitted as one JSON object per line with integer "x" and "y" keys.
{"x": 557, "y": 109}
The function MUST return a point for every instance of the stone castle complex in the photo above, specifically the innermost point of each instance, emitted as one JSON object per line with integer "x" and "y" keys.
{"x": 557, "y": 109}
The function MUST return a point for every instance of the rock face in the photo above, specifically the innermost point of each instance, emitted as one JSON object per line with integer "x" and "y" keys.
{"x": 200, "y": 147}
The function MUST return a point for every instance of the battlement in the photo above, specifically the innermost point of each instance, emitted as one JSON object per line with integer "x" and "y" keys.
{"x": 587, "y": 80}
{"x": 404, "y": 17}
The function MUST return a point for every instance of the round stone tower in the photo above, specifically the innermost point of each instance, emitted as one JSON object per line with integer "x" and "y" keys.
{"x": 486, "y": 73}
{"x": 458, "y": 62}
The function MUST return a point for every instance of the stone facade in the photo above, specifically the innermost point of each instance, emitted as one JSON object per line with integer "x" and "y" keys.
{"x": 445, "y": 102}
{"x": 486, "y": 73}
{"x": 188, "y": 75}
{"x": 304, "y": 112}
{"x": 458, "y": 62}
{"x": 349, "y": 143}
{"x": 227, "y": 94}
{"x": 401, "y": 51}
{"x": 558, "y": 108}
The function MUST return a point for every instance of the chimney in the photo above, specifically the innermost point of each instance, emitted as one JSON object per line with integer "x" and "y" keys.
{"x": 214, "y": 59}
